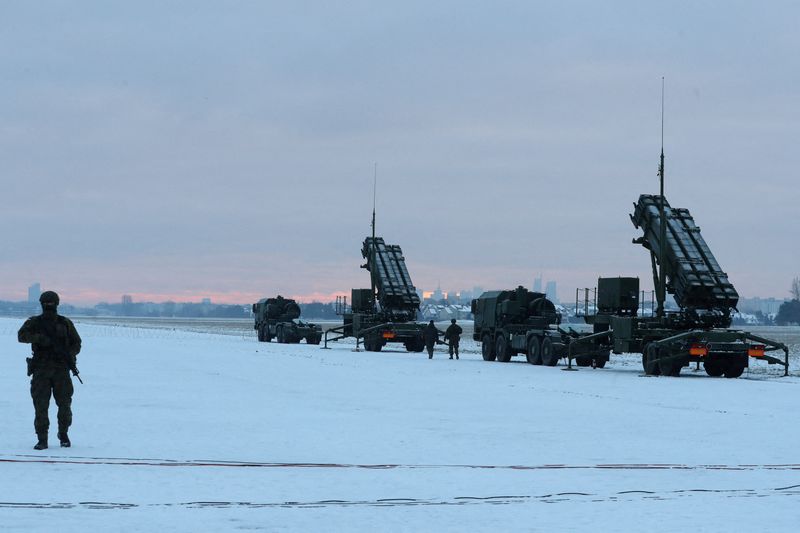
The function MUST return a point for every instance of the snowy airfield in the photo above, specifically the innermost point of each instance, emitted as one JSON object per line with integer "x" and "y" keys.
{"x": 177, "y": 429}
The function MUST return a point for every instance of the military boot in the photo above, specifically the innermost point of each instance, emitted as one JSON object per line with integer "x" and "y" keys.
{"x": 42, "y": 444}
{"x": 64, "y": 439}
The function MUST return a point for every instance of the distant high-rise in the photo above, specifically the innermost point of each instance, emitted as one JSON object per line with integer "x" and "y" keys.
{"x": 438, "y": 295}
{"x": 127, "y": 299}
{"x": 550, "y": 291}
{"x": 34, "y": 291}
{"x": 537, "y": 284}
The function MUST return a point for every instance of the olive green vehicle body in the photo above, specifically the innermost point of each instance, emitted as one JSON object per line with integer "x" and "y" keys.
{"x": 699, "y": 331}
{"x": 385, "y": 313}
{"x": 279, "y": 319}
{"x": 522, "y": 322}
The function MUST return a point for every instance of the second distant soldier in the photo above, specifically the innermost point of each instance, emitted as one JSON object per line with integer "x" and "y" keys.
{"x": 431, "y": 336}
{"x": 453, "y": 335}
{"x": 55, "y": 345}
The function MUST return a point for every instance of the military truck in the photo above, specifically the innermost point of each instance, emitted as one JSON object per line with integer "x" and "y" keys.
{"x": 519, "y": 321}
{"x": 386, "y": 312}
{"x": 279, "y": 318}
{"x": 699, "y": 331}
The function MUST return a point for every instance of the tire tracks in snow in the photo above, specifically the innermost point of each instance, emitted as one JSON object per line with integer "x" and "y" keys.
{"x": 205, "y": 463}
{"x": 554, "y": 498}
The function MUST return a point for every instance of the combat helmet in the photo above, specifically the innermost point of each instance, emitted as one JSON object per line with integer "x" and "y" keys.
{"x": 49, "y": 298}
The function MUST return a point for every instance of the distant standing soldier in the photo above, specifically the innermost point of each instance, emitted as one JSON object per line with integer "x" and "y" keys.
{"x": 431, "y": 336}
{"x": 453, "y": 335}
{"x": 55, "y": 344}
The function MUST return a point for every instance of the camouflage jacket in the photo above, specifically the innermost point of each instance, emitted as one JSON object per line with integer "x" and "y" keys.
{"x": 453, "y": 333}
{"x": 52, "y": 338}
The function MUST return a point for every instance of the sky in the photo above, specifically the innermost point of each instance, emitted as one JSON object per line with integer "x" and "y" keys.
{"x": 182, "y": 150}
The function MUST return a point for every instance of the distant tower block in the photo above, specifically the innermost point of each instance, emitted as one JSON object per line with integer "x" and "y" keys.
{"x": 127, "y": 299}
{"x": 34, "y": 291}
{"x": 537, "y": 284}
{"x": 550, "y": 291}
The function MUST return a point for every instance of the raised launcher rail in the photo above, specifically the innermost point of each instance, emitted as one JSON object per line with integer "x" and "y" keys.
{"x": 386, "y": 312}
{"x": 396, "y": 293}
{"x": 700, "y": 331}
{"x": 693, "y": 275}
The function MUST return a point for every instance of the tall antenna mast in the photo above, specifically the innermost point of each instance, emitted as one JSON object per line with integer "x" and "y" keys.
{"x": 661, "y": 290}
{"x": 374, "y": 246}
{"x": 374, "y": 196}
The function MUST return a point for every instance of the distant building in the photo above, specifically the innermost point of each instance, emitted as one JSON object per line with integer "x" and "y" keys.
{"x": 537, "y": 284}
{"x": 438, "y": 295}
{"x": 206, "y": 301}
{"x": 767, "y": 306}
{"x": 550, "y": 291}
{"x": 127, "y": 299}
{"x": 34, "y": 291}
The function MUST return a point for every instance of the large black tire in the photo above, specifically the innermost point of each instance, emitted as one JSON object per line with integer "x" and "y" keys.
{"x": 714, "y": 367}
{"x": 487, "y": 348}
{"x": 415, "y": 345}
{"x": 583, "y": 361}
{"x": 280, "y": 335}
{"x": 549, "y": 357}
{"x": 534, "y": 353}
{"x": 313, "y": 339}
{"x": 502, "y": 349}
{"x": 670, "y": 367}
{"x": 650, "y": 360}
{"x": 373, "y": 343}
{"x": 260, "y": 333}
{"x": 735, "y": 367}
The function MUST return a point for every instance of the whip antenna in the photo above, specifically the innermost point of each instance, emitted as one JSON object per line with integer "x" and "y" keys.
{"x": 661, "y": 295}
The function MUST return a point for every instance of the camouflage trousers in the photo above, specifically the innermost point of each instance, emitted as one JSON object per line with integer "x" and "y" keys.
{"x": 453, "y": 347}
{"x": 44, "y": 381}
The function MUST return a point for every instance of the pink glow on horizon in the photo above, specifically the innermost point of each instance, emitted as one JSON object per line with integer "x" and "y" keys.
{"x": 90, "y": 297}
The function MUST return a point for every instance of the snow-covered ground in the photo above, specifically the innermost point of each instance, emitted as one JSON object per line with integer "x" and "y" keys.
{"x": 187, "y": 431}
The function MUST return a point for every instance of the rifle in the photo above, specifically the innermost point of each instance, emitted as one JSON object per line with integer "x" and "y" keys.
{"x": 60, "y": 350}
{"x": 73, "y": 366}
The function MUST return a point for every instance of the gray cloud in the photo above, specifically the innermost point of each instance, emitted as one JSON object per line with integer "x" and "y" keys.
{"x": 188, "y": 148}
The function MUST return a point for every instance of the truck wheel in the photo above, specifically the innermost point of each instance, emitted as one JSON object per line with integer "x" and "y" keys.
{"x": 534, "y": 353}
{"x": 583, "y": 361}
{"x": 487, "y": 348}
{"x": 735, "y": 367}
{"x": 313, "y": 339}
{"x": 415, "y": 345}
{"x": 549, "y": 357}
{"x": 260, "y": 332}
{"x": 601, "y": 358}
{"x": 279, "y": 335}
{"x": 650, "y": 360}
{"x": 501, "y": 349}
{"x": 714, "y": 367}
{"x": 670, "y": 367}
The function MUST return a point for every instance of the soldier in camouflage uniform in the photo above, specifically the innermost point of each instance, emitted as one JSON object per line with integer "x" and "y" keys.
{"x": 431, "y": 336}
{"x": 453, "y": 336}
{"x": 55, "y": 344}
